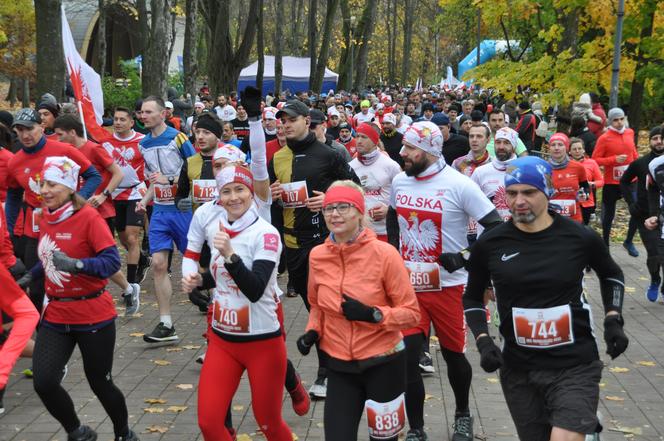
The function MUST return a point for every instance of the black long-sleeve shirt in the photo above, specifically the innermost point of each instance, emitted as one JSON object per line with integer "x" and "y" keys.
{"x": 637, "y": 169}
{"x": 536, "y": 271}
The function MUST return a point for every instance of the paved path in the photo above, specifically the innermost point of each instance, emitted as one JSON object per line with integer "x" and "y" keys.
{"x": 632, "y": 388}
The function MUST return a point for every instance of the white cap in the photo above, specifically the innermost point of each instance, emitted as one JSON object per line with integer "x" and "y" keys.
{"x": 509, "y": 134}
{"x": 270, "y": 113}
{"x": 425, "y": 135}
{"x": 390, "y": 118}
{"x": 168, "y": 105}
{"x": 62, "y": 170}
{"x": 230, "y": 152}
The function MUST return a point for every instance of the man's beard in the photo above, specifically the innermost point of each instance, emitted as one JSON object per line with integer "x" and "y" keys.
{"x": 416, "y": 167}
{"x": 503, "y": 156}
{"x": 657, "y": 150}
{"x": 527, "y": 218}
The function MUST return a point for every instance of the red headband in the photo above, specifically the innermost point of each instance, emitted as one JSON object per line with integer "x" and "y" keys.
{"x": 342, "y": 193}
{"x": 369, "y": 131}
{"x": 560, "y": 137}
{"x": 235, "y": 174}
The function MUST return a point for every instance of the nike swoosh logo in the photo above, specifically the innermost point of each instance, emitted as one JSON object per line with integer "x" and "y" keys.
{"x": 505, "y": 258}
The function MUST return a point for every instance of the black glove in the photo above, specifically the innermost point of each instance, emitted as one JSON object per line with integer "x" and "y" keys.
{"x": 614, "y": 336}
{"x": 490, "y": 356}
{"x": 62, "y": 262}
{"x": 24, "y": 281}
{"x": 357, "y": 311}
{"x": 250, "y": 98}
{"x": 184, "y": 204}
{"x": 18, "y": 269}
{"x": 452, "y": 261}
{"x": 306, "y": 341}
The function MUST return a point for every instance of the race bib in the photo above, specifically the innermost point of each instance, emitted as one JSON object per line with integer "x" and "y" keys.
{"x": 564, "y": 207}
{"x": 543, "y": 328}
{"x": 204, "y": 190}
{"x": 386, "y": 420}
{"x": 294, "y": 195}
{"x": 165, "y": 193}
{"x": 424, "y": 276}
{"x": 618, "y": 171}
{"x": 36, "y": 219}
{"x": 231, "y": 314}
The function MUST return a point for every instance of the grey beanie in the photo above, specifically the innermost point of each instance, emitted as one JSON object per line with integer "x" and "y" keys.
{"x": 615, "y": 113}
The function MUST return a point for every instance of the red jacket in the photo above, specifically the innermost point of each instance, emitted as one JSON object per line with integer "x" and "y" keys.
{"x": 610, "y": 145}
{"x": 336, "y": 269}
{"x": 597, "y": 127}
{"x": 594, "y": 177}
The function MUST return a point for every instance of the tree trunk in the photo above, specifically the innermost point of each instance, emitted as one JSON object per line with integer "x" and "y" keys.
{"x": 25, "y": 98}
{"x": 12, "y": 92}
{"x": 224, "y": 63}
{"x": 365, "y": 30}
{"x": 101, "y": 39}
{"x": 260, "y": 48}
{"x": 638, "y": 85}
{"x": 50, "y": 56}
{"x": 278, "y": 65}
{"x": 319, "y": 74}
{"x": 174, "y": 32}
{"x": 390, "y": 41}
{"x": 407, "y": 40}
{"x": 189, "y": 60}
{"x": 569, "y": 21}
{"x": 143, "y": 26}
{"x": 155, "y": 57}
{"x": 312, "y": 40}
{"x": 344, "y": 68}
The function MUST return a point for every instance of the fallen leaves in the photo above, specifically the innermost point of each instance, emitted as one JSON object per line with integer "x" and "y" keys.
{"x": 618, "y": 370}
{"x": 646, "y": 363}
{"x": 153, "y": 410}
{"x": 492, "y": 380}
{"x": 629, "y": 289}
{"x": 185, "y": 386}
{"x": 614, "y": 398}
{"x": 191, "y": 346}
{"x": 136, "y": 334}
{"x": 162, "y": 362}
{"x": 243, "y": 437}
{"x": 155, "y": 401}
{"x": 238, "y": 408}
{"x": 177, "y": 409}
{"x": 173, "y": 349}
{"x": 157, "y": 429}
{"x": 629, "y": 430}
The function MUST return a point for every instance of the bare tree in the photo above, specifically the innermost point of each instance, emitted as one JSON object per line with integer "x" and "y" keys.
{"x": 312, "y": 39}
{"x": 224, "y": 63}
{"x": 260, "y": 48}
{"x": 278, "y": 65}
{"x": 409, "y": 7}
{"x": 155, "y": 55}
{"x": 364, "y": 31}
{"x": 101, "y": 38}
{"x": 50, "y": 55}
{"x": 189, "y": 60}
{"x": 324, "y": 52}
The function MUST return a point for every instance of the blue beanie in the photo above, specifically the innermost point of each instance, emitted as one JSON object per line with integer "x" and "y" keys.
{"x": 440, "y": 119}
{"x": 530, "y": 170}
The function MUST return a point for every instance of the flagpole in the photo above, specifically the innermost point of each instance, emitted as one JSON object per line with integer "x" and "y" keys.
{"x": 80, "y": 114}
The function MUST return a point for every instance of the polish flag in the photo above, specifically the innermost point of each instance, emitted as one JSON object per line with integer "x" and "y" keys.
{"x": 86, "y": 84}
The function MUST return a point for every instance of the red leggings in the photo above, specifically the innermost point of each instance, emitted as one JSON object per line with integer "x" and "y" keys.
{"x": 225, "y": 362}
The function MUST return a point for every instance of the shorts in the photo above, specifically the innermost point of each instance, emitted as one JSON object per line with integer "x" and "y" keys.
{"x": 126, "y": 216}
{"x": 445, "y": 310}
{"x": 167, "y": 227}
{"x": 110, "y": 221}
{"x": 541, "y": 399}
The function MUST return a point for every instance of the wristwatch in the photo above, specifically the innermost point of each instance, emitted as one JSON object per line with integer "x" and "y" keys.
{"x": 79, "y": 265}
{"x": 377, "y": 315}
{"x": 107, "y": 193}
{"x": 233, "y": 258}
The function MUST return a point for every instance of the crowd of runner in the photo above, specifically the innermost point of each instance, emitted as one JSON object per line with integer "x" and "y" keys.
{"x": 394, "y": 214}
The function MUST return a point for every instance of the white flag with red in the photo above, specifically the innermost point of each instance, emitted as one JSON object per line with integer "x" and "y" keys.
{"x": 86, "y": 84}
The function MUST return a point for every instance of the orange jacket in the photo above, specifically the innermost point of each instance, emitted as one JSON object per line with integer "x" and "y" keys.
{"x": 610, "y": 145}
{"x": 371, "y": 272}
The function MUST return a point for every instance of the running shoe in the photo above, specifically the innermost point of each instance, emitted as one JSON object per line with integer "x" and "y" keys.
{"x": 201, "y": 358}
{"x": 631, "y": 249}
{"x": 426, "y": 363}
{"x": 416, "y": 435}
{"x": 144, "y": 262}
{"x": 83, "y": 433}
{"x": 161, "y": 334}
{"x": 463, "y": 428}
{"x": 131, "y": 436}
{"x": 132, "y": 299}
{"x": 200, "y": 299}
{"x": 319, "y": 388}
{"x": 652, "y": 292}
{"x": 290, "y": 292}
{"x": 300, "y": 398}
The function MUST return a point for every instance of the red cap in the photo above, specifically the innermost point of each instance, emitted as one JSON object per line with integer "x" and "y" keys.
{"x": 341, "y": 193}
{"x": 560, "y": 137}
{"x": 369, "y": 131}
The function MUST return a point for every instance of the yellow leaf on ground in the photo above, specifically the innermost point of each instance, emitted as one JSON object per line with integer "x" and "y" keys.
{"x": 136, "y": 334}
{"x": 177, "y": 409}
{"x": 295, "y": 438}
{"x": 157, "y": 429}
{"x": 243, "y": 437}
{"x": 153, "y": 410}
{"x": 434, "y": 339}
{"x": 155, "y": 401}
{"x": 238, "y": 408}
{"x": 618, "y": 370}
{"x": 601, "y": 385}
{"x": 191, "y": 346}
{"x": 629, "y": 289}
{"x": 646, "y": 363}
{"x": 173, "y": 349}
{"x": 185, "y": 386}
{"x": 630, "y": 430}
{"x": 492, "y": 380}
{"x": 162, "y": 362}
{"x": 614, "y": 398}
{"x": 427, "y": 397}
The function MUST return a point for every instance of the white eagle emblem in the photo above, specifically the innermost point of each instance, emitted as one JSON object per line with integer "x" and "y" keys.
{"x": 418, "y": 238}
{"x": 45, "y": 252}
{"x": 34, "y": 185}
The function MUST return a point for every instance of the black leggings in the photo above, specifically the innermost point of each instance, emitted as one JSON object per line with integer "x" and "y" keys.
{"x": 650, "y": 239}
{"x": 610, "y": 195}
{"x": 53, "y": 350}
{"x": 348, "y": 392}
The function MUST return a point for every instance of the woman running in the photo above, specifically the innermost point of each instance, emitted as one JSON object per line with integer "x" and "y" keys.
{"x": 577, "y": 152}
{"x": 77, "y": 254}
{"x": 569, "y": 179}
{"x": 357, "y": 313}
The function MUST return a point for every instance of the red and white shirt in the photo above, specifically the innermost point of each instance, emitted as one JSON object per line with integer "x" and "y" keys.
{"x": 433, "y": 210}
{"x": 101, "y": 160}
{"x": 233, "y": 313}
{"x": 126, "y": 153}
{"x": 84, "y": 234}
{"x": 491, "y": 180}
{"x": 376, "y": 180}
{"x": 566, "y": 185}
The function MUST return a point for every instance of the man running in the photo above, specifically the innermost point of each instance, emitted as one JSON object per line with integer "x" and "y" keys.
{"x": 496, "y": 122}
{"x": 550, "y": 366}
{"x": 477, "y": 138}
{"x": 164, "y": 150}
{"x": 431, "y": 204}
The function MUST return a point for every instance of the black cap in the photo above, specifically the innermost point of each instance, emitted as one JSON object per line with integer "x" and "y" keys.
{"x": 317, "y": 117}
{"x": 455, "y": 106}
{"x": 476, "y": 115}
{"x": 6, "y": 118}
{"x": 659, "y": 130}
{"x": 427, "y": 106}
{"x": 294, "y": 108}
{"x": 344, "y": 125}
{"x": 26, "y": 118}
